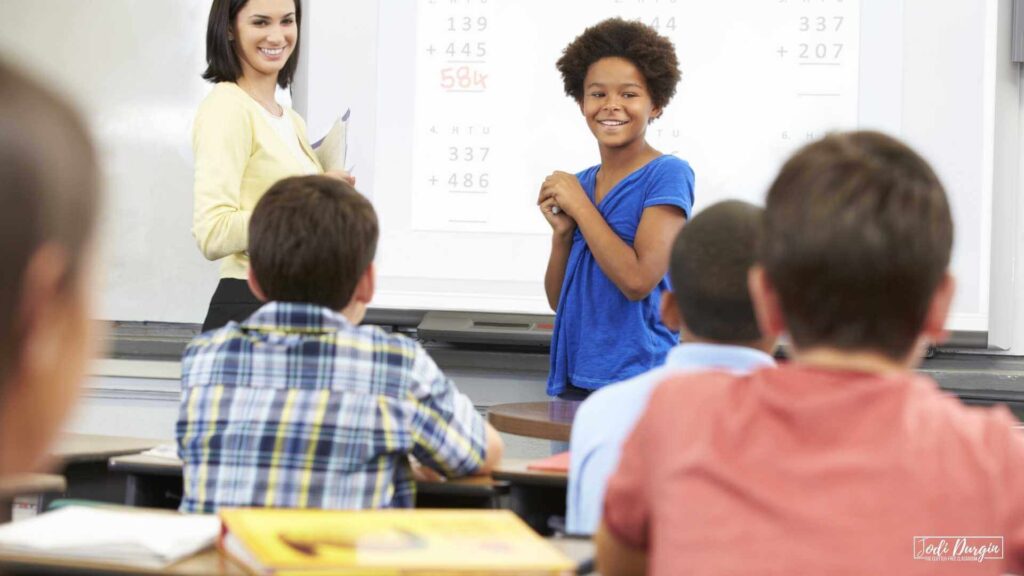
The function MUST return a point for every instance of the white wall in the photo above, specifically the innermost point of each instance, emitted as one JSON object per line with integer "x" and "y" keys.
{"x": 1006, "y": 162}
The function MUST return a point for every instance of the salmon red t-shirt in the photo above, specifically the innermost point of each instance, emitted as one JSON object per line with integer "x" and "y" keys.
{"x": 804, "y": 470}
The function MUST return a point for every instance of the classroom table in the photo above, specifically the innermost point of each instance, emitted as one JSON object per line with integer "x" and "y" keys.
{"x": 538, "y": 497}
{"x": 82, "y": 459}
{"x": 75, "y": 448}
{"x": 551, "y": 420}
{"x": 209, "y": 562}
{"x": 517, "y": 471}
{"x": 156, "y": 481}
{"x": 38, "y": 486}
{"x": 535, "y": 496}
{"x": 150, "y": 481}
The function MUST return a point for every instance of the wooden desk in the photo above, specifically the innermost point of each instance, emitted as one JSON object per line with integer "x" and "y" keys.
{"x": 150, "y": 481}
{"x": 517, "y": 471}
{"x": 82, "y": 459}
{"x": 551, "y": 420}
{"x": 210, "y": 562}
{"x": 73, "y": 448}
{"x": 206, "y": 563}
{"x": 156, "y": 482}
{"x": 537, "y": 497}
{"x": 40, "y": 486}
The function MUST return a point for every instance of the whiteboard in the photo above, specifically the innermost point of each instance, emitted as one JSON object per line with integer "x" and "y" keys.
{"x": 133, "y": 68}
{"x": 759, "y": 79}
{"x": 433, "y": 85}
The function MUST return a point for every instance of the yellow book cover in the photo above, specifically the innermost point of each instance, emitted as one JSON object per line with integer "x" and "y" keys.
{"x": 286, "y": 541}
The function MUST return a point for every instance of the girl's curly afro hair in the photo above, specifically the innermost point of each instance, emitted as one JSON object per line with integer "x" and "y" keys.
{"x": 652, "y": 54}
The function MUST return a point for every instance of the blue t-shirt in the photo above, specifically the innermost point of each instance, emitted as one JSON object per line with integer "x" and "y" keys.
{"x": 600, "y": 336}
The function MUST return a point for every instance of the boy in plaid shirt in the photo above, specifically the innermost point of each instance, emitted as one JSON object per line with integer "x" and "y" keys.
{"x": 299, "y": 406}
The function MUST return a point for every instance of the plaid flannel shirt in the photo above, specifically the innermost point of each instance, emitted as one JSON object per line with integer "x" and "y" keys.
{"x": 297, "y": 407}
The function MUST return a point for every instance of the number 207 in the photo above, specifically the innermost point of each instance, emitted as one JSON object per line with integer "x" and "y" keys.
{"x": 820, "y": 51}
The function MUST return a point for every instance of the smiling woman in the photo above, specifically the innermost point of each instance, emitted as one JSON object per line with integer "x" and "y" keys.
{"x": 243, "y": 139}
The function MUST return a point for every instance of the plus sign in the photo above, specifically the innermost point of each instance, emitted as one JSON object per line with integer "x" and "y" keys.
{"x": 782, "y": 51}
{"x": 433, "y": 180}
{"x": 431, "y": 50}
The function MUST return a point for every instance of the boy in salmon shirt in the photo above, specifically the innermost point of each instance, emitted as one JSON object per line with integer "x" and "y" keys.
{"x": 845, "y": 461}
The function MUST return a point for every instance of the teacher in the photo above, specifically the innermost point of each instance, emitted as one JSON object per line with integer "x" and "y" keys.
{"x": 243, "y": 139}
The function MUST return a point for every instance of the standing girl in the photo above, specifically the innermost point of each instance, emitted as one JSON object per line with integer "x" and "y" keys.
{"x": 613, "y": 224}
{"x": 243, "y": 139}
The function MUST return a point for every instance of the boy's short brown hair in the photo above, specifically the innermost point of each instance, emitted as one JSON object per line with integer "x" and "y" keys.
{"x": 49, "y": 191}
{"x": 857, "y": 236}
{"x": 652, "y": 54}
{"x": 710, "y": 260}
{"x": 311, "y": 238}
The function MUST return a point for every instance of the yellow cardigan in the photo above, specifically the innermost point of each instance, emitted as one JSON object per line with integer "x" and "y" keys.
{"x": 238, "y": 156}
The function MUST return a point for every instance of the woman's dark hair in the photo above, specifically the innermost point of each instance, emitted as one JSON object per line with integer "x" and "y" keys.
{"x": 221, "y": 60}
{"x": 652, "y": 54}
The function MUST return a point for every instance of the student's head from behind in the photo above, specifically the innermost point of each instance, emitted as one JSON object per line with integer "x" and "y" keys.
{"x": 855, "y": 249}
{"x": 258, "y": 37}
{"x": 312, "y": 239}
{"x": 711, "y": 258}
{"x": 49, "y": 189}
{"x": 622, "y": 74}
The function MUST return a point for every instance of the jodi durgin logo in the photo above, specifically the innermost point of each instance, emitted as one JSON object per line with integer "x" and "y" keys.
{"x": 958, "y": 548}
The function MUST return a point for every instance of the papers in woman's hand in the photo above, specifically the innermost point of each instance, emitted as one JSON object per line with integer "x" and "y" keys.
{"x": 333, "y": 149}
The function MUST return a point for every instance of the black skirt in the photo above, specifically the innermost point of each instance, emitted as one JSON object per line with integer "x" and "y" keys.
{"x": 231, "y": 301}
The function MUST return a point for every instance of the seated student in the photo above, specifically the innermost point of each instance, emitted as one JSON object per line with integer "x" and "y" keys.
{"x": 49, "y": 190}
{"x": 711, "y": 309}
{"x": 299, "y": 406}
{"x": 843, "y": 460}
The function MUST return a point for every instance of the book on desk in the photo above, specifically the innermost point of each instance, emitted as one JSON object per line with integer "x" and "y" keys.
{"x": 108, "y": 536}
{"x": 277, "y": 541}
